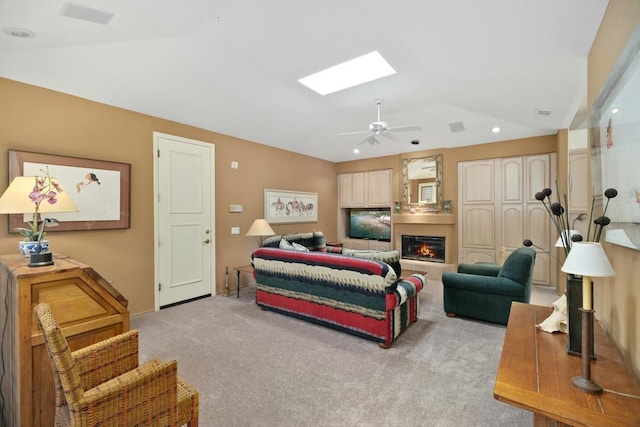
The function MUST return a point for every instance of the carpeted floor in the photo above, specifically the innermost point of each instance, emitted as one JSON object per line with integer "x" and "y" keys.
{"x": 256, "y": 367}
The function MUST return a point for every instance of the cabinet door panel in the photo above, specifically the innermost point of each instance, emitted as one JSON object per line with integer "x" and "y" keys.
{"x": 537, "y": 175}
{"x": 472, "y": 255}
{"x": 512, "y": 177}
{"x": 512, "y": 226}
{"x": 358, "y": 190}
{"x": 478, "y": 182}
{"x": 379, "y": 188}
{"x": 537, "y": 225}
{"x": 478, "y": 226}
{"x": 345, "y": 190}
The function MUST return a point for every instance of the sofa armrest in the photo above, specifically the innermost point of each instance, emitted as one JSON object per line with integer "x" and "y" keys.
{"x": 480, "y": 268}
{"x": 483, "y": 284}
{"x": 398, "y": 293}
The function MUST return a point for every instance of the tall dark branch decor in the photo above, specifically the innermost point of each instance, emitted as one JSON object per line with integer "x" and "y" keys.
{"x": 559, "y": 216}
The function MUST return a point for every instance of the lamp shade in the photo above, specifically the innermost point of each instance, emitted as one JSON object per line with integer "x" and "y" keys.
{"x": 588, "y": 259}
{"x": 560, "y": 244}
{"x": 15, "y": 199}
{"x": 260, "y": 227}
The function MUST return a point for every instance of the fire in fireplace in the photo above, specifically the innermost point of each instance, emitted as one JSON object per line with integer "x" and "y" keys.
{"x": 423, "y": 248}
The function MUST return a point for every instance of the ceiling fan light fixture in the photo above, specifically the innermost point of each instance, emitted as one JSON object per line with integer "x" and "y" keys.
{"x": 362, "y": 69}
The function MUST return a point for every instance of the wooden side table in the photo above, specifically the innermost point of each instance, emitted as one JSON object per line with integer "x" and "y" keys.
{"x": 241, "y": 269}
{"x": 535, "y": 374}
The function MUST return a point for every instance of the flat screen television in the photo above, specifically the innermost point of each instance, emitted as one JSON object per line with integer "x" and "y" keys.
{"x": 372, "y": 224}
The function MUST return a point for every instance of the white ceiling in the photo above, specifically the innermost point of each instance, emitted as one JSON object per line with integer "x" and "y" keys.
{"x": 233, "y": 66}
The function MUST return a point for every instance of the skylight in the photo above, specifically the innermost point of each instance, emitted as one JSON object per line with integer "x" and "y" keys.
{"x": 356, "y": 71}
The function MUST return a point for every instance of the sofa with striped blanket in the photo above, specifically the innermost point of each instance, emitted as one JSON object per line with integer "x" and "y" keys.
{"x": 361, "y": 296}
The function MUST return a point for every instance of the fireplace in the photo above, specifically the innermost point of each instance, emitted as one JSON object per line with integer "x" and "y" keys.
{"x": 423, "y": 248}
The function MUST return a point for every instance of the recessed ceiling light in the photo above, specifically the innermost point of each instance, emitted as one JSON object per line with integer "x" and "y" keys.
{"x": 495, "y": 129}
{"x": 356, "y": 150}
{"x": 356, "y": 71}
{"x": 21, "y": 33}
{"x": 615, "y": 110}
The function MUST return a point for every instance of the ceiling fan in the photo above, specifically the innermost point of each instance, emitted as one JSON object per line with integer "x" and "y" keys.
{"x": 380, "y": 128}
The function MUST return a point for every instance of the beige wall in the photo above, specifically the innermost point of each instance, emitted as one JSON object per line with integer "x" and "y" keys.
{"x": 39, "y": 120}
{"x": 617, "y": 300}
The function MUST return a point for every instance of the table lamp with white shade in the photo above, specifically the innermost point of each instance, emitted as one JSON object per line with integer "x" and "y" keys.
{"x": 587, "y": 259}
{"x": 21, "y": 198}
{"x": 260, "y": 228}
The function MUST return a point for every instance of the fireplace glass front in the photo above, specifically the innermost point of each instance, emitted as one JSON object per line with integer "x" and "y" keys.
{"x": 423, "y": 248}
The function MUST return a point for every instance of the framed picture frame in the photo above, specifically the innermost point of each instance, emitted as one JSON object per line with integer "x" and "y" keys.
{"x": 282, "y": 206}
{"x": 100, "y": 189}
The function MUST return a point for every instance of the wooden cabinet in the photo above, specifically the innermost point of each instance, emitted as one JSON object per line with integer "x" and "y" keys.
{"x": 85, "y": 305}
{"x": 498, "y": 210}
{"x": 365, "y": 189}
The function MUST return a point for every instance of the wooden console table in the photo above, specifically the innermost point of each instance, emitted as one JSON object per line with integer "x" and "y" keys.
{"x": 535, "y": 374}
{"x": 87, "y": 308}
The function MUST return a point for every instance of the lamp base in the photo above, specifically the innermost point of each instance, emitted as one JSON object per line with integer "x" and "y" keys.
{"x": 41, "y": 259}
{"x": 586, "y": 385}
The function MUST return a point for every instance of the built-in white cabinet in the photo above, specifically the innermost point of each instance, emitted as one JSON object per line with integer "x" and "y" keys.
{"x": 498, "y": 210}
{"x": 365, "y": 189}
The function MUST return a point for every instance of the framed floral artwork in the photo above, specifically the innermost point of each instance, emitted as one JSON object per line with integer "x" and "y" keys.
{"x": 99, "y": 188}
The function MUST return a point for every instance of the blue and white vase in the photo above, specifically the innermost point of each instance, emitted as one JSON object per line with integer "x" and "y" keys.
{"x": 28, "y": 248}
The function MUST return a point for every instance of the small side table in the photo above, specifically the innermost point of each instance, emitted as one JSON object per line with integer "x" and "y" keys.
{"x": 241, "y": 269}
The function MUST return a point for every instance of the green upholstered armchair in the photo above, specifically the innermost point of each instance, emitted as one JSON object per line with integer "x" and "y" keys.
{"x": 485, "y": 291}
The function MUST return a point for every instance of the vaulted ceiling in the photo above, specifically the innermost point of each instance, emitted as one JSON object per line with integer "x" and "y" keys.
{"x": 233, "y": 66}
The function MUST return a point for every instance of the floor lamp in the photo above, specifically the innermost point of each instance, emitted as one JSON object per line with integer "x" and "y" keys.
{"x": 587, "y": 259}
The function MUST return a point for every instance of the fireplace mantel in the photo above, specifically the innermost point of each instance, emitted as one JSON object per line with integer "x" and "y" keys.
{"x": 442, "y": 219}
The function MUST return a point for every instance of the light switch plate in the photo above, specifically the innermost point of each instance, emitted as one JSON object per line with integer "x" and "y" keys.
{"x": 235, "y": 230}
{"x": 234, "y": 165}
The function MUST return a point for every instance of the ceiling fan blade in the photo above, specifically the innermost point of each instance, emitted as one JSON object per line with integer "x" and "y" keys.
{"x": 405, "y": 128}
{"x": 371, "y": 139}
{"x": 355, "y": 133}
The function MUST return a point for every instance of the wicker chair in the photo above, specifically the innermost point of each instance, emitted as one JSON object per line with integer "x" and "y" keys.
{"x": 102, "y": 385}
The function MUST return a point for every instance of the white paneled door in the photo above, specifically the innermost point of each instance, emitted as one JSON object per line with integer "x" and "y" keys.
{"x": 184, "y": 215}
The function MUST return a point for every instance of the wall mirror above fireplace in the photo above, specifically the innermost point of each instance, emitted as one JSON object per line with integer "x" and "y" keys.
{"x": 422, "y": 183}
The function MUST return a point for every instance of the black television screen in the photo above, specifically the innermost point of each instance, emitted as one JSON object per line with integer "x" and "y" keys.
{"x": 374, "y": 224}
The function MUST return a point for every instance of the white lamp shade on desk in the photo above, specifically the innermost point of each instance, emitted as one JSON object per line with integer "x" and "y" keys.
{"x": 588, "y": 259}
{"x": 15, "y": 199}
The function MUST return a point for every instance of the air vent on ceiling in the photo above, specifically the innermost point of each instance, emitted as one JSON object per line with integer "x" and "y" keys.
{"x": 78, "y": 11}
{"x": 456, "y": 127}
{"x": 543, "y": 113}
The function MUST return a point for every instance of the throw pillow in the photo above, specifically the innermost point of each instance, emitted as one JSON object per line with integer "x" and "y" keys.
{"x": 299, "y": 247}
{"x": 284, "y": 244}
